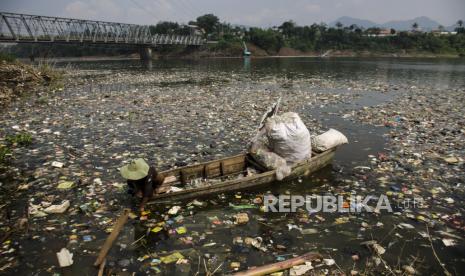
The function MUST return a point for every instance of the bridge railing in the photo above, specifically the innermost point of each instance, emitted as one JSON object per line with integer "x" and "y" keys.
{"x": 33, "y": 28}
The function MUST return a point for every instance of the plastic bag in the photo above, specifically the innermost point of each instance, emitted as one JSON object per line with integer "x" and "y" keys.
{"x": 330, "y": 139}
{"x": 288, "y": 137}
{"x": 272, "y": 161}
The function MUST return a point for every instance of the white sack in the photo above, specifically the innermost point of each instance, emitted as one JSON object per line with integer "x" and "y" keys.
{"x": 289, "y": 137}
{"x": 330, "y": 139}
{"x": 272, "y": 161}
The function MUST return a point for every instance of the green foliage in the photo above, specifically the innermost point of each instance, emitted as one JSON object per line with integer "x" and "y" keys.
{"x": 460, "y": 30}
{"x": 21, "y": 139}
{"x": 223, "y": 44}
{"x": 288, "y": 28}
{"x": 458, "y": 42}
{"x": 42, "y": 100}
{"x": 4, "y": 153}
{"x": 7, "y": 57}
{"x": 52, "y": 75}
{"x": 208, "y": 22}
{"x": 320, "y": 38}
{"x": 227, "y": 47}
{"x": 268, "y": 39}
{"x": 166, "y": 27}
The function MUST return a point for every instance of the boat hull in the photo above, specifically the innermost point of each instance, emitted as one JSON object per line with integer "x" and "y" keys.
{"x": 233, "y": 165}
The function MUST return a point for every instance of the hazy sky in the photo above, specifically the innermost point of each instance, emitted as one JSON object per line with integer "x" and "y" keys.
{"x": 245, "y": 12}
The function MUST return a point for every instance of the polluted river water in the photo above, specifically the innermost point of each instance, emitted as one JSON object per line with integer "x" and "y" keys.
{"x": 403, "y": 118}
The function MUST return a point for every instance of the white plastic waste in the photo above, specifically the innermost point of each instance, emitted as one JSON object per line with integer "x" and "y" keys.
{"x": 58, "y": 209}
{"x": 174, "y": 210}
{"x": 300, "y": 269}
{"x": 288, "y": 137}
{"x": 272, "y": 161}
{"x": 330, "y": 139}
{"x": 65, "y": 258}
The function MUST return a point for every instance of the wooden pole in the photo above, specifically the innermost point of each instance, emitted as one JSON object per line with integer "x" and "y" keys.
{"x": 267, "y": 269}
{"x": 112, "y": 237}
{"x": 102, "y": 267}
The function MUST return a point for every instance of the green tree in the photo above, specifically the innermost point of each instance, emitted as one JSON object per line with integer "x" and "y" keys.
{"x": 339, "y": 25}
{"x": 268, "y": 39}
{"x": 415, "y": 26}
{"x": 164, "y": 27}
{"x": 208, "y": 22}
{"x": 287, "y": 28}
{"x": 460, "y": 29}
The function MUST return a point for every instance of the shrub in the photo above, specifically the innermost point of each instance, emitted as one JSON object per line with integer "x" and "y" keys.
{"x": 22, "y": 139}
{"x": 4, "y": 153}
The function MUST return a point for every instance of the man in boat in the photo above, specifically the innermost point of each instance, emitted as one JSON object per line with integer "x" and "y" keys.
{"x": 142, "y": 179}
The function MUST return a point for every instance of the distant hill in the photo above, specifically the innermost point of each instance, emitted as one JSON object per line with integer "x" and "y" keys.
{"x": 424, "y": 23}
{"x": 347, "y": 21}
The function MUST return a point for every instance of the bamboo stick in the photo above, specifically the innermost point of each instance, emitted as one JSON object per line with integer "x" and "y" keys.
{"x": 267, "y": 269}
{"x": 102, "y": 267}
{"x": 112, "y": 237}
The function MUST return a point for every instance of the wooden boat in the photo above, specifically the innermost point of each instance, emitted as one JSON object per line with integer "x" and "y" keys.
{"x": 230, "y": 169}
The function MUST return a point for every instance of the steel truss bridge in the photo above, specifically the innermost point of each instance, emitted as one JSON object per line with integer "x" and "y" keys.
{"x": 24, "y": 28}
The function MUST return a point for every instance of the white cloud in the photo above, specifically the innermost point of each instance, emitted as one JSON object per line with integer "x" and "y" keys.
{"x": 312, "y": 8}
{"x": 105, "y": 10}
{"x": 79, "y": 9}
{"x": 258, "y": 18}
{"x": 133, "y": 11}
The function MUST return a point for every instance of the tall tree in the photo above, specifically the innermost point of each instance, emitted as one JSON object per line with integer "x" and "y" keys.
{"x": 287, "y": 28}
{"x": 164, "y": 27}
{"x": 460, "y": 29}
{"x": 208, "y": 22}
{"x": 339, "y": 24}
{"x": 415, "y": 26}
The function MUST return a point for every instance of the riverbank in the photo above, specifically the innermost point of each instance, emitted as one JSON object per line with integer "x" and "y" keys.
{"x": 290, "y": 52}
{"x": 220, "y": 55}
{"x": 236, "y": 51}
{"x": 18, "y": 79}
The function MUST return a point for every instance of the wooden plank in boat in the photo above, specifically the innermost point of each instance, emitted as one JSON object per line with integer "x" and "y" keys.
{"x": 302, "y": 168}
{"x": 213, "y": 170}
{"x": 233, "y": 165}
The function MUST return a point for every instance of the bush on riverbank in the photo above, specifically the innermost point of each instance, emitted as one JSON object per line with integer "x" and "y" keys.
{"x": 17, "y": 79}
{"x": 227, "y": 46}
{"x": 321, "y": 38}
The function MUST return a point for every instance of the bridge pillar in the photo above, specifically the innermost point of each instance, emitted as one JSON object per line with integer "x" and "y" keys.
{"x": 145, "y": 54}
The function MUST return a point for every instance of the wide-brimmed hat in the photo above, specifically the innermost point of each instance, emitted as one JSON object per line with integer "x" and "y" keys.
{"x": 135, "y": 170}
